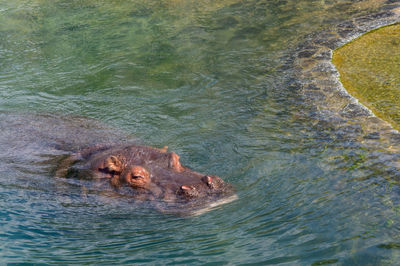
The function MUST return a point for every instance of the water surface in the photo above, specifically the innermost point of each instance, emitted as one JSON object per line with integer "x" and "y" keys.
{"x": 213, "y": 81}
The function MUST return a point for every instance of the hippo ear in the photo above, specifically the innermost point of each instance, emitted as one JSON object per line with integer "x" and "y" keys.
{"x": 174, "y": 163}
{"x": 113, "y": 164}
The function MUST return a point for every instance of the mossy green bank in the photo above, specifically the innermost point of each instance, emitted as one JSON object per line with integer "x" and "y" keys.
{"x": 369, "y": 68}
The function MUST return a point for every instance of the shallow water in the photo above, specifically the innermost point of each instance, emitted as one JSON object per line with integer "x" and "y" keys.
{"x": 213, "y": 81}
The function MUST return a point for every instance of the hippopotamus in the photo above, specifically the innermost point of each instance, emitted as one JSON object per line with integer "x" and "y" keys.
{"x": 83, "y": 154}
{"x": 150, "y": 173}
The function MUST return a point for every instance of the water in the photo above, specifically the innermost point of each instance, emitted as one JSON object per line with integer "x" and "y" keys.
{"x": 212, "y": 80}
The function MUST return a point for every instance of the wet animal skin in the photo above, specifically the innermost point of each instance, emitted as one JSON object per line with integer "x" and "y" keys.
{"x": 151, "y": 173}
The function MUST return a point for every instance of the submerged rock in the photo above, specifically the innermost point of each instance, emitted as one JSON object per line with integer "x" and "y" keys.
{"x": 370, "y": 71}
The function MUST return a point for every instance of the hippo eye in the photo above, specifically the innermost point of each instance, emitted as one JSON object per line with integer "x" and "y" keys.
{"x": 137, "y": 177}
{"x": 138, "y": 172}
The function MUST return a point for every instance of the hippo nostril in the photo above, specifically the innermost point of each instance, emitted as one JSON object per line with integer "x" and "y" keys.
{"x": 208, "y": 180}
{"x": 188, "y": 192}
{"x": 186, "y": 188}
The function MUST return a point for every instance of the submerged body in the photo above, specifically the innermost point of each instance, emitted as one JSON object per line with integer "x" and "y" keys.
{"x": 100, "y": 160}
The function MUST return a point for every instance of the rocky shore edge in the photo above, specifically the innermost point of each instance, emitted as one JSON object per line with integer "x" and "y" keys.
{"x": 321, "y": 89}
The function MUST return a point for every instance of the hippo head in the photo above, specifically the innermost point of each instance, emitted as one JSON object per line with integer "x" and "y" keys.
{"x": 153, "y": 171}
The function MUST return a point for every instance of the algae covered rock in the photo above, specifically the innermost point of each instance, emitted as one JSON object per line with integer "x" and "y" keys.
{"x": 369, "y": 68}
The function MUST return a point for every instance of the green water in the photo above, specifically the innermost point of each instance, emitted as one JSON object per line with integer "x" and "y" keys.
{"x": 213, "y": 81}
